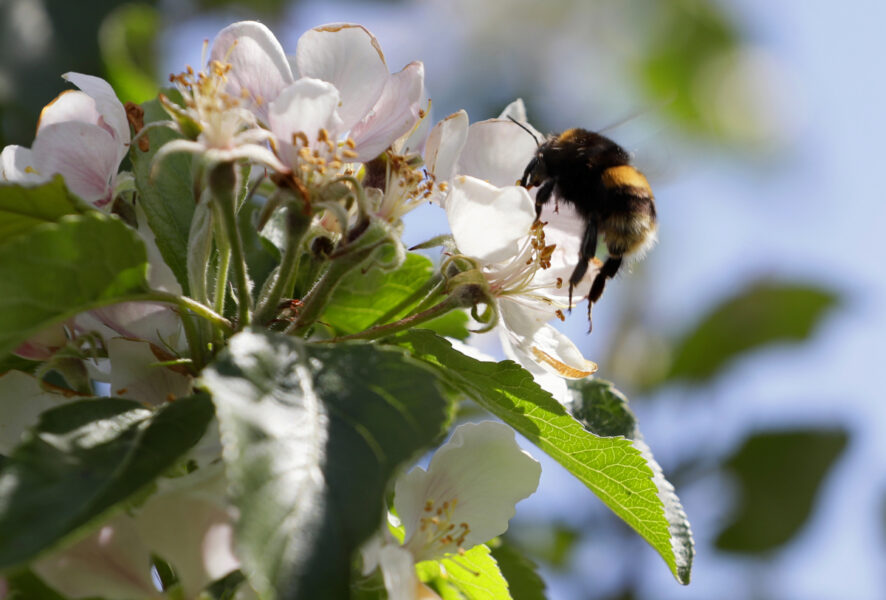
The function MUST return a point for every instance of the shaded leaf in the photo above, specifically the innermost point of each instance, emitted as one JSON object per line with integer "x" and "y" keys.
{"x": 602, "y": 409}
{"x": 24, "y": 207}
{"x": 520, "y": 572}
{"x": 620, "y": 472}
{"x": 82, "y": 459}
{"x": 168, "y": 197}
{"x": 764, "y": 313}
{"x": 312, "y": 434}
{"x": 61, "y": 269}
{"x": 779, "y": 474}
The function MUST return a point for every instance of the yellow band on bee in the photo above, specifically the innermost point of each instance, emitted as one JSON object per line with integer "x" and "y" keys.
{"x": 624, "y": 176}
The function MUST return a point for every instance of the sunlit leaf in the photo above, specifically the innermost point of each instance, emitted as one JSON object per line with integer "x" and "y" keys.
{"x": 621, "y": 472}
{"x": 312, "y": 435}
{"x": 764, "y": 313}
{"x": 473, "y": 575}
{"x": 61, "y": 269}
{"x": 779, "y": 474}
{"x": 363, "y": 298}
{"x": 82, "y": 459}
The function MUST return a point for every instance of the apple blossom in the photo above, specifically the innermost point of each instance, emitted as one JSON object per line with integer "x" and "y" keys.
{"x": 465, "y": 498}
{"x": 82, "y": 135}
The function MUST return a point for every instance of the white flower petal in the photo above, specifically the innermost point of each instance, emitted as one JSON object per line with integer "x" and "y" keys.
{"x": 488, "y": 223}
{"x": 71, "y": 105}
{"x": 349, "y": 57}
{"x": 23, "y": 401}
{"x": 564, "y": 228}
{"x": 535, "y": 342}
{"x": 106, "y": 103}
{"x": 394, "y": 115}
{"x": 497, "y": 151}
{"x": 515, "y": 110}
{"x": 480, "y": 473}
{"x": 258, "y": 64}
{"x": 306, "y": 106}
{"x": 85, "y": 155}
{"x": 444, "y": 145}
{"x": 155, "y": 323}
{"x": 398, "y": 572}
{"x": 134, "y": 376}
{"x": 19, "y": 165}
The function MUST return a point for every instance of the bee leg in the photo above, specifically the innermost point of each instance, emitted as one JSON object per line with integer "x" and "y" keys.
{"x": 543, "y": 195}
{"x": 585, "y": 255}
{"x": 607, "y": 271}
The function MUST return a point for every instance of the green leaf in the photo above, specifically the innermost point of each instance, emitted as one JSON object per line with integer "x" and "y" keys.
{"x": 475, "y": 575}
{"x": 84, "y": 458}
{"x": 60, "y": 269}
{"x": 602, "y": 409}
{"x": 168, "y": 197}
{"x": 361, "y": 299}
{"x": 312, "y": 434}
{"x": 519, "y": 571}
{"x": 779, "y": 474}
{"x": 22, "y": 208}
{"x": 126, "y": 41}
{"x": 764, "y": 313}
{"x": 619, "y": 471}
{"x": 24, "y": 584}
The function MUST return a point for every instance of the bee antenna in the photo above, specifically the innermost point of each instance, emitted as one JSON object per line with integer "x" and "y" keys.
{"x": 526, "y": 129}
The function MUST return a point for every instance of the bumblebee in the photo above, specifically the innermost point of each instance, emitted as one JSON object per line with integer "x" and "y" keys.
{"x": 594, "y": 174}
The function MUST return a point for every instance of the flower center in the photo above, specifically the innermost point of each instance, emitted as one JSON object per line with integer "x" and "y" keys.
{"x": 437, "y": 533}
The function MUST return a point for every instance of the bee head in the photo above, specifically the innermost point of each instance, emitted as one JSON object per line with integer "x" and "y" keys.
{"x": 535, "y": 171}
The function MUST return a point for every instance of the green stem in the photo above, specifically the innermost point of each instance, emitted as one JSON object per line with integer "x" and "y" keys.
{"x": 425, "y": 291}
{"x": 450, "y": 303}
{"x": 318, "y": 297}
{"x": 200, "y": 310}
{"x": 297, "y": 225}
{"x": 195, "y": 340}
{"x": 223, "y": 183}
{"x": 221, "y": 278}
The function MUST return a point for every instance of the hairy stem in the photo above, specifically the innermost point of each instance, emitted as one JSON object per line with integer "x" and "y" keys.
{"x": 223, "y": 183}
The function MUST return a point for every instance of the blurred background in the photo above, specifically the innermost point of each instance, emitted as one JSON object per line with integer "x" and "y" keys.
{"x": 747, "y": 341}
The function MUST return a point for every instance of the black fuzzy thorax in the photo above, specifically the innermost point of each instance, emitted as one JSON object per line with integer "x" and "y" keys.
{"x": 577, "y": 159}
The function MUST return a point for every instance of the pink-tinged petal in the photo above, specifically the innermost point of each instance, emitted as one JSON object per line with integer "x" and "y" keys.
{"x": 535, "y": 342}
{"x": 154, "y": 323}
{"x": 444, "y": 145}
{"x": 476, "y": 478}
{"x": 85, "y": 155}
{"x": 106, "y": 102}
{"x": 497, "y": 151}
{"x": 113, "y": 562}
{"x": 23, "y": 401}
{"x": 135, "y": 375}
{"x": 394, "y": 115}
{"x": 306, "y": 106}
{"x": 259, "y": 70}
{"x": 19, "y": 165}
{"x": 71, "y": 105}
{"x": 349, "y": 57}
{"x": 43, "y": 345}
{"x": 188, "y": 524}
{"x": 488, "y": 223}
